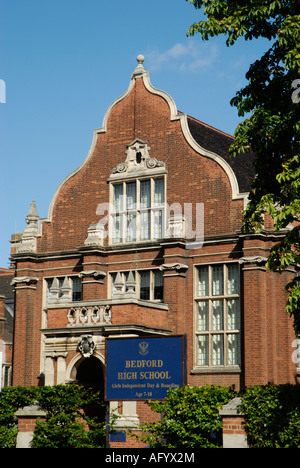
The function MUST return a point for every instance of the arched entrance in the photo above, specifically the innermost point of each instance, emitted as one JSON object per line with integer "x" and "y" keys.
{"x": 90, "y": 374}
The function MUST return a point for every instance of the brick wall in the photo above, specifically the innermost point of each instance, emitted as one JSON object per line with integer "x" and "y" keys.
{"x": 26, "y": 353}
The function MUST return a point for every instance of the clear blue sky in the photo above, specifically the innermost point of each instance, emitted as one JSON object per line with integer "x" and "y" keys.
{"x": 65, "y": 61}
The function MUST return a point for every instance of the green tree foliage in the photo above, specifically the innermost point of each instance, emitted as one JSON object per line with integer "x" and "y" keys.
{"x": 271, "y": 129}
{"x": 67, "y": 424}
{"x": 11, "y": 399}
{"x": 272, "y": 416}
{"x": 189, "y": 418}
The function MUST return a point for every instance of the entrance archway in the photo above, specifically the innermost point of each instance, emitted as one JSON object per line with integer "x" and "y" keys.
{"x": 90, "y": 374}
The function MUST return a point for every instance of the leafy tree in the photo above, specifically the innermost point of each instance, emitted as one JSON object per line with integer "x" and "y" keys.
{"x": 70, "y": 422}
{"x": 67, "y": 424}
{"x": 272, "y": 416}
{"x": 272, "y": 131}
{"x": 11, "y": 399}
{"x": 189, "y": 418}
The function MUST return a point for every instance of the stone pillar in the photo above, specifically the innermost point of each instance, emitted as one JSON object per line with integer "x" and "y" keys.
{"x": 234, "y": 435}
{"x": 129, "y": 414}
{"x": 61, "y": 369}
{"x": 27, "y": 418}
{"x": 49, "y": 370}
{"x": 129, "y": 418}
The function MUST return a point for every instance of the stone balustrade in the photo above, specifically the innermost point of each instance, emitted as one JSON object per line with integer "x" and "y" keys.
{"x": 91, "y": 315}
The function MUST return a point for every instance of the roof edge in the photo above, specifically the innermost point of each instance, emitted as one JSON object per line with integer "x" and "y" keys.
{"x": 140, "y": 72}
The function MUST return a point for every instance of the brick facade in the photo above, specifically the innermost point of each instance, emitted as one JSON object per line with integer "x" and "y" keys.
{"x": 192, "y": 159}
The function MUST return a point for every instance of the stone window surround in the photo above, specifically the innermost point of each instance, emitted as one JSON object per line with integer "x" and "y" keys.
{"x": 137, "y": 211}
{"x": 129, "y": 289}
{"x": 60, "y": 294}
{"x": 138, "y": 166}
{"x": 198, "y": 369}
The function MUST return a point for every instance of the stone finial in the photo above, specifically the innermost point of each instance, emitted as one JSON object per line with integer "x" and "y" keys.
{"x": 130, "y": 285}
{"x": 28, "y": 239}
{"x": 140, "y": 68}
{"x": 118, "y": 285}
{"x": 66, "y": 290}
{"x": 95, "y": 235}
{"x": 140, "y": 59}
{"x": 33, "y": 215}
{"x": 54, "y": 291}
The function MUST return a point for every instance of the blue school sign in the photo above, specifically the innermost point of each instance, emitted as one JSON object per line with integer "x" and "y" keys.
{"x": 144, "y": 368}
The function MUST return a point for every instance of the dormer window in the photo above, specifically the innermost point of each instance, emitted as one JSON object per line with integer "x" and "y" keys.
{"x": 138, "y": 210}
{"x": 137, "y": 194}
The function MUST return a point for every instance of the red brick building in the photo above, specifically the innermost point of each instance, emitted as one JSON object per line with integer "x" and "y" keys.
{"x": 144, "y": 238}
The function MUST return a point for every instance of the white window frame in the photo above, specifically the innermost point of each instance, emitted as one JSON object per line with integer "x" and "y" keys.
{"x": 137, "y": 277}
{"x": 48, "y": 284}
{"x": 213, "y": 327}
{"x": 137, "y": 211}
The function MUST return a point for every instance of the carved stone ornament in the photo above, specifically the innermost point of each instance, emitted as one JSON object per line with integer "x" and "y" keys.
{"x": 24, "y": 279}
{"x": 173, "y": 266}
{"x": 28, "y": 240}
{"x": 253, "y": 259}
{"x": 138, "y": 160}
{"x": 176, "y": 226}
{"x": 86, "y": 345}
{"x": 95, "y": 235}
{"x": 96, "y": 274}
